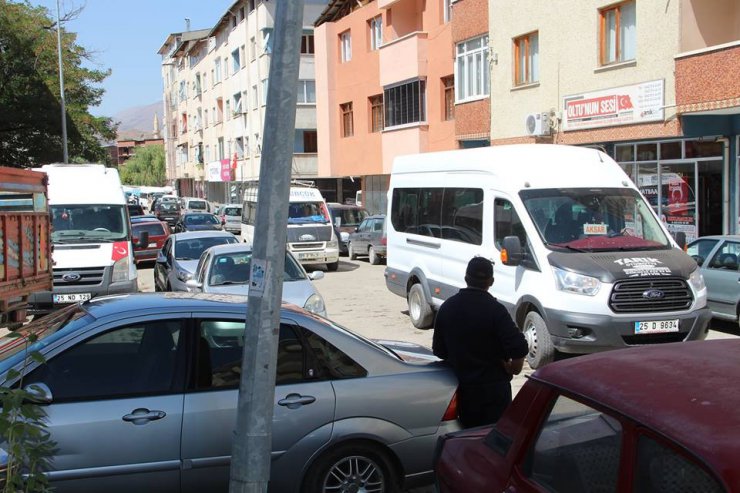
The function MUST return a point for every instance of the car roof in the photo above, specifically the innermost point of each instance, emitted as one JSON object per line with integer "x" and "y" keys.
{"x": 337, "y": 205}
{"x": 144, "y": 218}
{"x": 718, "y": 237}
{"x": 687, "y": 391}
{"x": 147, "y": 221}
{"x": 189, "y": 235}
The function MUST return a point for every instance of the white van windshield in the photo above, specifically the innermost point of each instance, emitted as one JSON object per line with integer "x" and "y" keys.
{"x": 88, "y": 223}
{"x": 588, "y": 219}
{"x": 307, "y": 212}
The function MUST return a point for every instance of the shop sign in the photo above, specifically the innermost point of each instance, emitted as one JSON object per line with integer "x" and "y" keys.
{"x": 219, "y": 171}
{"x": 625, "y": 105}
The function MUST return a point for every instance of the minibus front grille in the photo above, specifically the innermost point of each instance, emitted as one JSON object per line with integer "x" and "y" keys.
{"x": 84, "y": 276}
{"x": 307, "y": 246}
{"x": 650, "y": 295}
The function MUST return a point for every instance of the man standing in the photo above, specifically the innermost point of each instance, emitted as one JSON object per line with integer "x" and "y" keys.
{"x": 474, "y": 333}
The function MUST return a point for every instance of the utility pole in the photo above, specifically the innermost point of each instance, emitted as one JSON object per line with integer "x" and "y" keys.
{"x": 65, "y": 152}
{"x": 252, "y": 446}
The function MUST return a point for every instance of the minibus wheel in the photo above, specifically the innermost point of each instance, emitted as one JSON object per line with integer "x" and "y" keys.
{"x": 541, "y": 350}
{"x": 419, "y": 310}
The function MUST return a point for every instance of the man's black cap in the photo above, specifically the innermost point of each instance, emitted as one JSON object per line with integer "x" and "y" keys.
{"x": 479, "y": 269}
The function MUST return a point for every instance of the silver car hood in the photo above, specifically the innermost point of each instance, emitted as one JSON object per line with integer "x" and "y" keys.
{"x": 296, "y": 292}
{"x": 408, "y": 351}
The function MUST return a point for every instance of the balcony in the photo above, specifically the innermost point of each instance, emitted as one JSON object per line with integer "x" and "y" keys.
{"x": 305, "y": 165}
{"x": 404, "y": 58}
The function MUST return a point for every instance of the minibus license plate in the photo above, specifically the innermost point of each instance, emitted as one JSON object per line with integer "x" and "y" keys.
{"x": 656, "y": 326}
{"x": 308, "y": 255}
{"x": 71, "y": 298}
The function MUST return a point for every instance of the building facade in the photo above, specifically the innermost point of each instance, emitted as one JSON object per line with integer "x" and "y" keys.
{"x": 215, "y": 92}
{"x": 382, "y": 67}
{"x": 650, "y": 83}
{"x": 126, "y": 149}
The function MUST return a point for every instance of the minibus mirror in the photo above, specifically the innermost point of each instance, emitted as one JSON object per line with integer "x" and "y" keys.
{"x": 511, "y": 253}
{"x": 681, "y": 239}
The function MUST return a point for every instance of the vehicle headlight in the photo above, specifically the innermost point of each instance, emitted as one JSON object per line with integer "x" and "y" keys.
{"x": 344, "y": 236}
{"x": 183, "y": 275}
{"x": 315, "y": 304}
{"x": 121, "y": 269}
{"x": 697, "y": 280}
{"x": 332, "y": 244}
{"x": 576, "y": 283}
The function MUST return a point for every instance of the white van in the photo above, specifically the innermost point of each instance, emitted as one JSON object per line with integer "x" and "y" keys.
{"x": 311, "y": 236}
{"x": 582, "y": 262}
{"x": 91, "y": 236}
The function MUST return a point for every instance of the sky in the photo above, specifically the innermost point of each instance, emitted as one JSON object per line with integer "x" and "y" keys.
{"x": 125, "y": 36}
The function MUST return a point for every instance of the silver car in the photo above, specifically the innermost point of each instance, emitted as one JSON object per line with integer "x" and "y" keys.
{"x": 178, "y": 258}
{"x": 141, "y": 392}
{"x": 231, "y": 217}
{"x": 717, "y": 257}
{"x": 224, "y": 269}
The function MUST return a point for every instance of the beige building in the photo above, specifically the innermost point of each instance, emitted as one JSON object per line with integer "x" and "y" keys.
{"x": 215, "y": 90}
{"x": 647, "y": 81}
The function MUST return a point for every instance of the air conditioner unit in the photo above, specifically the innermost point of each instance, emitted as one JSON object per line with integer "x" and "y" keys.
{"x": 537, "y": 124}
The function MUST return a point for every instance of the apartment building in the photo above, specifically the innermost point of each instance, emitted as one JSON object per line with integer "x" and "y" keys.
{"x": 384, "y": 70}
{"x": 654, "y": 84}
{"x": 215, "y": 92}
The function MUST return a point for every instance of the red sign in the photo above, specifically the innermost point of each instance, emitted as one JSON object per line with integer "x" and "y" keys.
{"x": 225, "y": 170}
{"x": 603, "y": 106}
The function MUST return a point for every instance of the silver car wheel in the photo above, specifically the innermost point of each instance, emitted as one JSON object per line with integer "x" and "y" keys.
{"x": 354, "y": 474}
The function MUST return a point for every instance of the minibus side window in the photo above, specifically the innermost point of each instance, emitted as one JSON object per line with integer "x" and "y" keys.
{"x": 462, "y": 215}
{"x": 404, "y": 209}
{"x": 430, "y": 209}
{"x": 506, "y": 223}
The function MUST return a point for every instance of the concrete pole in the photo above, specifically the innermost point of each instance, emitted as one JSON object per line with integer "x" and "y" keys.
{"x": 250, "y": 463}
{"x": 65, "y": 153}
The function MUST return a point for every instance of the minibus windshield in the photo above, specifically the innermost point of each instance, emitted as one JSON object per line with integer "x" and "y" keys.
{"x": 594, "y": 219}
{"x": 85, "y": 223}
{"x": 308, "y": 212}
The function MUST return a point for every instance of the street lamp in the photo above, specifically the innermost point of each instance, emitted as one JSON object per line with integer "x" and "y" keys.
{"x": 61, "y": 89}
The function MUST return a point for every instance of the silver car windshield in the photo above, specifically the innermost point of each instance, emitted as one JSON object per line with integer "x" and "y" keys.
{"x": 234, "y": 268}
{"x": 588, "y": 219}
{"x": 84, "y": 223}
{"x": 192, "y": 248}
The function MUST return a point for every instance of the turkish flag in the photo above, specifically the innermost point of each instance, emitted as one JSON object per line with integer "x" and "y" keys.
{"x": 625, "y": 103}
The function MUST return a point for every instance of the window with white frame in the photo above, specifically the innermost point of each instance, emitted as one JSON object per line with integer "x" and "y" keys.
{"x": 252, "y": 48}
{"x": 617, "y": 33}
{"x": 405, "y": 103}
{"x": 265, "y": 85}
{"x": 526, "y": 59}
{"x": 472, "y": 78}
{"x": 205, "y": 81}
{"x": 447, "y": 10}
{"x": 237, "y": 103}
{"x": 220, "y": 148}
{"x": 226, "y": 68}
{"x": 243, "y": 55}
{"x": 255, "y": 97}
{"x": 375, "y": 26}
{"x": 239, "y": 144}
{"x": 217, "y": 71}
{"x": 306, "y": 91}
{"x": 208, "y": 153}
{"x": 345, "y": 42}
{"x": 235, "y": 61}
{"x": 206, "y": 122}
{"x": 228, "y": 109}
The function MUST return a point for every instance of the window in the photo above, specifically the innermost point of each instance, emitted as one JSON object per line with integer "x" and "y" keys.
{"x": 727, "y": 257}
{"x": 205, "y": 81}
{"x": 238, "y": 103}
{"x": 255, "y": 97}
{"x": 617, "y": 33}
{"x": 306, "y": 92}
{"x": 305, "y": 141}
{"x": 307, "y": 44}
{"x": 213, "y": 77}
{"x": 345, "y": 41}
{"x": 226, "y": 68}
{"x": 448, "y": 98}
{"x": 333, "y": 364}
{"x": 217, "y": 68}
{"x": 239, "y": 143}
{"x": 701, "y": 249}
{"x": 376, "y": 113}
{"x": 228, "y": 109}
{"x": 243, "y": 55}
{"x": 447, "y": 10}
{"x": 220, "y": 148}
{"x": 526, "y": 59}
{"x": 235, "y": 63}
{"x": 264, "y": 91}
{"x": 252, "y": 48}
{"x": 471, "y": 69}
{"x": 141, "y": 358}
{"x": 405, "y": 103}
{"x": 462, "y": 215}
{"x": 205, "y": 118}
{"x": 660, "y": 468}
{"x": 587, "y": 460}
{"x": 347, "y": 124}
{"x": 196, "y": 85}
{"x": 375, "y": 26}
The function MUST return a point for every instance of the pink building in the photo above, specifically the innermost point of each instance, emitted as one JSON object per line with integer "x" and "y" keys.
{"x": 383, "y": 71}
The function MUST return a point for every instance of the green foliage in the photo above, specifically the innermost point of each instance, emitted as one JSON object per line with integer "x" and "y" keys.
{"x": 23, "y": 431}
{"x": 145, "y": 168}
{"x": 30, "y": 108}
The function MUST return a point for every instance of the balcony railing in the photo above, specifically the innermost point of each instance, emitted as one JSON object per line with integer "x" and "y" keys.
{"x": 404, "y": 58}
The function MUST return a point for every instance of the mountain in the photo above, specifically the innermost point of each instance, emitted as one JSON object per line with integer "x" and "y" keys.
{"x": 138, "y": 121}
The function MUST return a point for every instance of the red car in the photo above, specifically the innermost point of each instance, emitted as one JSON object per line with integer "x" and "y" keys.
{"x": 662, "y": 418}
{"x": 158, "y": 231}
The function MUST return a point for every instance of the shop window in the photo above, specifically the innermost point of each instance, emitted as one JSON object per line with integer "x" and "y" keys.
{"x": 625, "y": 153}
{"x": 647, "y": 152}
{"x": 697, "y": 148}
{"x": 670, "y": 150}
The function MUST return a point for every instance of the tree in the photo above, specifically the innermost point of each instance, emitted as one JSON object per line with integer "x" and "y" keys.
{"x": 30, "y": 108}
{"x": 145, "y": 168}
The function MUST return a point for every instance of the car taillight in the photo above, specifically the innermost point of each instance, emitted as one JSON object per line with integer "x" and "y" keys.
{"x": 384, "y": 240}
{"x": 451, "y": 412}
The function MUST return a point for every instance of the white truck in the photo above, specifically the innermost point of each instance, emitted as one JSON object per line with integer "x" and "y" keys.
{"x": 311, "y": 236}
{"x": 91, "y": 236}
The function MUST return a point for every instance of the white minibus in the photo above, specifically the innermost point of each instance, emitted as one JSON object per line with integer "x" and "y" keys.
{"x": 581, "y": 260}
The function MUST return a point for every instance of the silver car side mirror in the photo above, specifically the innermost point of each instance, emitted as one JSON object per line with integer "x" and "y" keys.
{"x": 40, "y": 393}
{"x": 193, "y": 285}
{"x": 316, "y": 275}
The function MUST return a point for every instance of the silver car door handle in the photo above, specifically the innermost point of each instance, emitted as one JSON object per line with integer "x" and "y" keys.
{"x": 142, "y": 415}
{"x": 294, "y": 401}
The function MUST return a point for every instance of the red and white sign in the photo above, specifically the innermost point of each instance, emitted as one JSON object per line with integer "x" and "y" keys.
{"x": 626, "y": 105}
{"x": 220, "y": 170}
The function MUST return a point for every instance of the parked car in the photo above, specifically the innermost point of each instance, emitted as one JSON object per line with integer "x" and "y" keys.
{"x": 346, "y": 218}
{"x": 198, "y": 221}
{"x": 135, "y": 210}
{"x": 168, "y": 212}
{"x": 158, "y": 234}
{"x": 141, "y": 391}
{"x": 225, "y": 269}
{"x": 369, "y": 239}
{"x": 178, "y": 258}
{"x": 195, "y": 204}
{"x": 717, "y": 257}
{"x": 231, "y": 217}
{"x": 613, "y": 421}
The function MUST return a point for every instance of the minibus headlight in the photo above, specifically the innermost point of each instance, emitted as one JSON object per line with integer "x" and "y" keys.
{"x": 697, "y": 280}
{"x": 315, "y": 304}
{"x": 332, "y": 244}
{"x": 121, "y": 269}
{"x": 576, "y": 283}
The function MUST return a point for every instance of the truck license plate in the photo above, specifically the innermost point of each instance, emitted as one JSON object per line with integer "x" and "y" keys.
{"x": 71, "y": 298}
{"x": 656, "y": 326}
{"x": 308, "y": 255}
